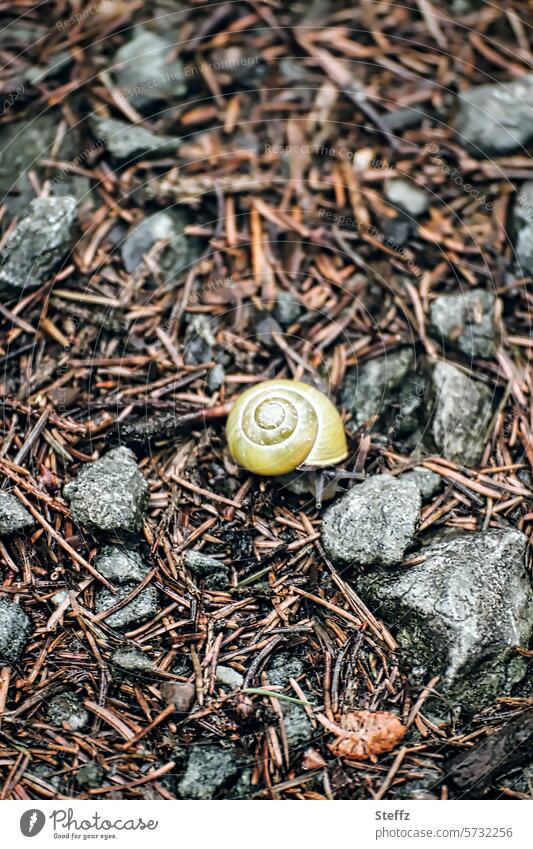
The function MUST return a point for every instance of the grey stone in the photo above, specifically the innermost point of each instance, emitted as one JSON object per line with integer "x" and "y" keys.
{"x": 494, "y": 119}
{"x": 143, "y": 72}
{"x": 13, "y": 514}
{"x": 168, "y": 226}
{"x": 460, "y": 410}
{"x": 23, "y": 144}
{"x": 407, "y": 196}
{"x": 460, "y": 614}
{"x": 207, "y": 568}
{"x": 428, "y": 482}
{"x": 369, "y": 389}
{"x": 143, "y": 607}
{"x": 215, "y": 377}
{"x": 39, "y": 242}
{"x": 66, "y": 709}
{"x": 90, "y": 775}
{"x": 120, "y": 565}
{"x": 125, "y": 141}
{"x": 228, "y": 676}
{"x": 522, "y": 225}
{"x": 209, "y": 768}
{"x": 199, "y": 340}
{"x": 287, "y": 309}
{"x": 110, "y": 494}
{"x": 131, "y": 660}
{"x": 15, "y": 630}
{"x": 466, "y": 321}
{"x": 297, "y": 725}
{"x": 404, "y": 118}
{"x": 282, "y": 667}
{"x": 373, "y": 523}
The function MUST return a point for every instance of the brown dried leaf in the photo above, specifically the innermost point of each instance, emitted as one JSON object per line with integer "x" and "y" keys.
{"x": 364, "y": 734}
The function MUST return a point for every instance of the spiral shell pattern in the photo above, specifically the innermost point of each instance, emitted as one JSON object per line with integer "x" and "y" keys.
{"x": 279, "y": 425}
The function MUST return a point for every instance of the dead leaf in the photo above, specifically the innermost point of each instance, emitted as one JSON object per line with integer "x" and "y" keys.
{"x": 363, "y": 734}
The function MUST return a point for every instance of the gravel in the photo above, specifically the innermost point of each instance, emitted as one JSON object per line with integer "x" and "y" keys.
{"x": 373, "y": 523}
{"x": 460, "y": 614}
{"x": 13, "y": 515}
{"x": 15, "y": 630}
{"x": 466, "y": 322}
{"x": 38, "y": 243}
{"x": 110, "y": 494}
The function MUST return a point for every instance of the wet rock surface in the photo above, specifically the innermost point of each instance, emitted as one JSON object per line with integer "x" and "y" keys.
{"x": 461, "y": 614}
{"x": 229, "y": 677}
{"x": 13, "y": 514}
{"x": 24, "y": 144}
{"x": 210, "y": 768}
{"x": 125, "y": 141}
{"x": 460, "y": 409}
{"x": 522, "y": 224}
{"x": 371, "y": 388}
{"x": 110, "y": 494}
{"x": 143, "y": 607}
{"x": 167, "y": 226}
{"x": 38, "y": 244}
{"x": 67, "y": 710}
{"x": 428, "y": 482}
{"x": 121, "y": 565}
{"x": 373, "y": 523}
{"x": 130, "y": 660}
{"x": 466, "y": 322}
{"x": 15, "y": 630}
{"x": 496, "y": 119}
{"x": 143, "y": 71}
{"x": 407, "y": 196}
{"x": 208, "y": 569}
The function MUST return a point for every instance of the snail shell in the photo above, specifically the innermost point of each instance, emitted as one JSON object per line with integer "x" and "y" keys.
{"x": 278, "y": 425}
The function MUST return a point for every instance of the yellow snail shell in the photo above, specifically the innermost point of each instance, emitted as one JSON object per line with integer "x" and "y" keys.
{"x": 278, "y": 425}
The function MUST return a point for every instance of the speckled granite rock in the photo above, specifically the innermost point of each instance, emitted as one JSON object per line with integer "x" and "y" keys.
{"x": 13, "y": 514}
{"x": 207, "y": 568}
{"x": 15, "y": 630}
{"x": 522, "y": 225}
{"x": 137, "y": 611}
{"x": 370, "y": 388}
{"x": 66, "y": 708}
{"x": 460, "y": 614}
{"x": 130, "y": 661}
{"x": 407, "y": 196}
{"x": 120, "y": 565}
{"x": 373, "y": 523}
{"x": 460, "y": 410}
{"x": 110, "y": 494}
{"x": 210, "y": 768}
{"x": 466, "y": 321}
{"x": 496, "y": 119}
{"x": 125, "y": 141}
{"x": 428, "y": 482}
{"x": 38, "y": 243}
